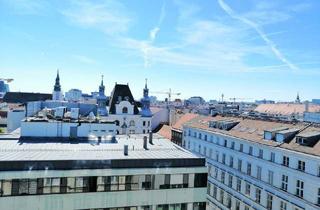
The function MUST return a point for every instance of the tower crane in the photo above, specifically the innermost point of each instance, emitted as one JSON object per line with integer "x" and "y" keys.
{"x": 169, "y": 93}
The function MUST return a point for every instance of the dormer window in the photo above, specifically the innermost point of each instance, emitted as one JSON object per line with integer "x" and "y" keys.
{"x": 124, "y": 110}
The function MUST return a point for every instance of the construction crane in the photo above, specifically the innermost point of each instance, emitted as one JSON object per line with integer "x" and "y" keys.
{"x": 169, "y": 93}
{"x": 234, "y": 99}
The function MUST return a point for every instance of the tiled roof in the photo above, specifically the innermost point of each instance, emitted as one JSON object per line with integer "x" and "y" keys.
{"x": 165, "y": 131}
{"x": 286, "y": 109}
{"x": 253, "y": 130}
{"x": 183, "y": 119}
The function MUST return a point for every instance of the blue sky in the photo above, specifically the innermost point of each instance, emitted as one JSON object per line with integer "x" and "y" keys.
{"x": 250, "y": 49}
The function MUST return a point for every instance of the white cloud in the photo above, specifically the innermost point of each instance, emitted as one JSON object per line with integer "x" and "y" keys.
{"x": 26, "y": 7}
{"x": 109, "y": 16}
{"x": 84, "y": 59}
{"x": 259, "y": 30}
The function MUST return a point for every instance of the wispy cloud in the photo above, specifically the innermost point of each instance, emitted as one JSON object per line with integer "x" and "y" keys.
{"x": 26, "y": 7}
{"x": 259, "y": 30}
{"x": 109, "y": 16}
{"x": 84, "y": 59}
{"x": 147, "y": 45}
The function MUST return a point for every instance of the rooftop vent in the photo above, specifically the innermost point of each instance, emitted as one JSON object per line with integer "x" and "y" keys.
{"x": 308, "y": 138}
{"x": 223, "y": 124}
{"x": 151, "y": 138}
{"x": 145, "y": 142}
{"x": 270, "y": 134}
{"x": 125, "y": 150}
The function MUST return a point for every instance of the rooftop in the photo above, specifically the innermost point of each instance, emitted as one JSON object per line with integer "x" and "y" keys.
{"x": 253, "y": 130}
{"x": 38, "y": 153}
{"x": 286, "y": 109}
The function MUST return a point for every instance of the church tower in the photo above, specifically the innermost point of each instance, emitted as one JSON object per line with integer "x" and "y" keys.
{"x": 57, "y": 94}
{"x": 145, "y": 102}
{"x": 102, "y": 100}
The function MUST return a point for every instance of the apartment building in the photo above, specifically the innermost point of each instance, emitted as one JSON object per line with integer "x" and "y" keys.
{"x": 87, "y": 167}
{"x": 255, "y": 164}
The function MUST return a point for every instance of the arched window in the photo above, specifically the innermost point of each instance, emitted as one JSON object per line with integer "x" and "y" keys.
{"x": 124, "y": 110}
{"x": 117, "y": 122}
{"x": 132, "y": 123}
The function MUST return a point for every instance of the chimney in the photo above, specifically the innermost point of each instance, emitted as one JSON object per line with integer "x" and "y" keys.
{"x": 145, "y": 142}
{"x": 125, "y": 150}
{"x": 151, "y": 138}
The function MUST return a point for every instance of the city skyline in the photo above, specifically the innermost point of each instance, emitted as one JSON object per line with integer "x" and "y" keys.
{"x": 261, "y": 49}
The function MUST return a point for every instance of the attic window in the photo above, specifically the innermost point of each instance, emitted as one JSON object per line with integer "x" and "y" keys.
{"x": 301, "y": 141}
{"x": 124, "y": 110}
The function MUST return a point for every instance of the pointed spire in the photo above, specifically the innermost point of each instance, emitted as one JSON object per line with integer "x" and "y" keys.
{"x": 101, "y": 87}
{"x": 102, "y": 80}
{"x": 57, "y": 86}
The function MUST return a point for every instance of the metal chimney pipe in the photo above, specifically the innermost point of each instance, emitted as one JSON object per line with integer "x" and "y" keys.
{"x": 145, "y": 142}
{"x": 125, "y": 150}
{"x": 151, "y": 138}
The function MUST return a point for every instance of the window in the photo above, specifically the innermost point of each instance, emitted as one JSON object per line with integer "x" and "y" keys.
{"x": 223, "y": 175}
{"x": 124, "y": 110}
{"x": 250, "y": 150}
{"x": 223, "y": 158}
{"x": 259, "y": 169}
{"x": 205, "y": 151}
{"x": 132, "y": 123}
{"x": 319, "y": 171}
{"x": 217, "y": 156}
{"x": 239, "y": 164}
{"x": 225, "y": 143}
{"x": 232, "y": 145}
{"x": 237, "y": 205}
{"x": 200, "y": 180}
{"x": 230, "y": 181}
{"x": 284, "y": 183}
{"x": 143, "y": 123}
{"x": 241, "y": 148}
{"x": 283, "y": 205}
{"x": 318, "y": 200}
{"x": 246, "y": 207}
{"x": 231, "y": 161}
{"x": 285, "y": 161}
{"x": 215, "y": 175}
{"x": 205, "y": 137}
{"x": 272, "y": 157}
{"x": 301, "y": 165}
{"x": 258, "y": 195}
{"x": 238, "y": 185}
{"x": 260, "y": 153}
{"x": 215, "y": 191}
{"x": 249, "y": 169}
{"x": 228, "y": 202}
{"x": 247, "y": 189}
{"x": 269, "y": 201}
{"x": 270, "y": 177}
{"x": 299, "y": 189}
{"x": 200, "y": 136}
{"x": 221, "y": 195}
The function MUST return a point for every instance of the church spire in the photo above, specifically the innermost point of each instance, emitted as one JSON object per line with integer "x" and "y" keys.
{"x": 57, "y": 94}
{"x": 57, "y": 86}
{"x": 298, "y": 98}
{"x": 146, "y": 90}
{"x": 101, "y": 87}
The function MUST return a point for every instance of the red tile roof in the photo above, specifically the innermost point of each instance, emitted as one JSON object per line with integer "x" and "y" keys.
{"x": 183, "y": 119}
{"x": 286, "y": 109}
{"x": 165, "y": 131}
